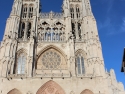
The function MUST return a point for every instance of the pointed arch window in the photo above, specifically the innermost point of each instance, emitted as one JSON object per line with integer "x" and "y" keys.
{"x": 31, "y": 11}
{"x": 21, "y": 63}
{"x": 24, "y": 11}
{"x": 21, "y": 32}
{"x": 77, "y": 12}
{"x": 72, "y": 12}
{"x": 80, "y": 64}
{"x": 29, "y": 29}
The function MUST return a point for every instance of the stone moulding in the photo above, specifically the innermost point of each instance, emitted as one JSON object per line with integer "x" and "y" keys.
{"x": 50, "y": 88}
{"x": 14, "y": 91}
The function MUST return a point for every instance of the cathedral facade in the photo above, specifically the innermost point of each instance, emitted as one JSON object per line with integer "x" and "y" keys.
{"x": 54, "y": 53}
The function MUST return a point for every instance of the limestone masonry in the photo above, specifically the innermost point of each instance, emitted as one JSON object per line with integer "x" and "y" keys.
{"x": 54, "y": 53}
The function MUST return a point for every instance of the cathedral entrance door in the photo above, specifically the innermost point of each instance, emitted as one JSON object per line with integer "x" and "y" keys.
{"x": 14, "y": 91}
{"x": 86, "y": 91}
{"x": 50, "y": 87}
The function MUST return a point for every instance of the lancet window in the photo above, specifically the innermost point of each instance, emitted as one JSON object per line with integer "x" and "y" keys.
{"x": 30, "y": 11}
{"x": 72, "y": 12}
{"x": 79, "y": 30}
{"x": 20, "y": 65}
{"x": 80, "y": 64}
{"x": 77, "y": 12}
{"x": 73, "y": 27}
{"x": 29, "y": 30}
{"x": 24, "y": 11}
{"x": 21, "y": 32}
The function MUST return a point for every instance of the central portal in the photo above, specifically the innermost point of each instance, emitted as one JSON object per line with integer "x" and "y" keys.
{"x": 50, "y": 88}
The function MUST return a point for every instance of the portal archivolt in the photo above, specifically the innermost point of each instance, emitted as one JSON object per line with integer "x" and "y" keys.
{"x": 14, "y": 91}
{"x": 50, "y": 88}
{"x": 86, "y": 91}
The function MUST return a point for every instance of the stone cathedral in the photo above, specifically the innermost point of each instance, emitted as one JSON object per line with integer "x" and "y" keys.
{"x": 54, "y": 53}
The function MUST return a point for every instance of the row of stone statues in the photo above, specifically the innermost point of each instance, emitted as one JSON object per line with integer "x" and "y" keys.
{"x": 51, "y": 36}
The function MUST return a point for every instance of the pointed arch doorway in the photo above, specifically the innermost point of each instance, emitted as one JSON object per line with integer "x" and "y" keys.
{"x": 50, "y": 87}
{"x": 87, "y": 91}
{"x": 14, "y": 91}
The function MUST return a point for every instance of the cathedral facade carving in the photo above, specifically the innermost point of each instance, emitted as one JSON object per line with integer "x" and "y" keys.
{"x": 54, "y": 53}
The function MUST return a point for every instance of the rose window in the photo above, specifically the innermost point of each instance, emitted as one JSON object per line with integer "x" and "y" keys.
{"x": 51, "y": 60}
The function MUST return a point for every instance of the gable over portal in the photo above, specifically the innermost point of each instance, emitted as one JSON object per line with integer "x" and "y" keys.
{"x": 14, "y": 91}
{"x": 50, "y": 87}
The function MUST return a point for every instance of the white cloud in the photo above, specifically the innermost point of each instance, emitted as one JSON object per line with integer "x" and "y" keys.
{"x": 123, "y": 25}
{"x": 111, "y": 28}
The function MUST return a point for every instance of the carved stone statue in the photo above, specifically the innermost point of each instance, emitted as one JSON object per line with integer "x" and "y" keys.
{"x": 54, "y": 36}
{"x": 64, "y": 38}
{"x": 42, "y": 36}
{"x": 39, "y": 36}
{"x": 61, "y": 37}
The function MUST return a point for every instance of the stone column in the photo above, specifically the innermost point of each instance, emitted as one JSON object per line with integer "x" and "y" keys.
{"x": 72, "y": 65}
{"x": 12, "y": 67}
{"x": 4, "y": 69}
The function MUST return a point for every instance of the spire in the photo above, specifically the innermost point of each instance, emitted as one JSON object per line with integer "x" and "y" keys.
{"x": 17, "y": 4}
{"x": 66, "y": 8}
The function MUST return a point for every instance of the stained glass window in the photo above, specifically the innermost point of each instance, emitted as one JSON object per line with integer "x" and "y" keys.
{"x": 21, "y": 62}
{"x": 82, "y": 61}
{"x": 51, "y": 60}
{"x": 80, "y": 64}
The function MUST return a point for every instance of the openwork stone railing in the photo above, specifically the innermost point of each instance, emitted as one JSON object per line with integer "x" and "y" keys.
{"x": 51, "y": 15}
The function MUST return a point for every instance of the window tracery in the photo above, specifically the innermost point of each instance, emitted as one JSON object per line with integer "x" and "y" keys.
{"x": 29, "y": 30}
{"x": 20, "y": 64}
{"x": 30, "y": 11}
{"x": 80, "y": 64}
{"x": 51, "y": 60}
{"x": 51, "y": 34}
{"x": 72, "y": 12}
{"x": 24, "y": 11}
{"x": 79, "y": 30}
{"x": 21, "y": 33}
{"x": 77, "y": 12}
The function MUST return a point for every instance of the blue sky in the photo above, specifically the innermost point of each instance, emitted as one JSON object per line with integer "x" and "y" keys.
{"x": 110, "y": 17}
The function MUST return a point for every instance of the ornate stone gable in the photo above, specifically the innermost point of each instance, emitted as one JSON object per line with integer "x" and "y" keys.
{"x": 50, "y": 88}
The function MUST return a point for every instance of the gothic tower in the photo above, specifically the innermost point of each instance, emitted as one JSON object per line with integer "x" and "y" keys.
{"x": 53, "y": 53}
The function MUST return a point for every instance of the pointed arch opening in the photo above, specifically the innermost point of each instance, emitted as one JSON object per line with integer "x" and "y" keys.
{"x": 86, "y": 91}
{"x": 77, "y": 11}
{"x": 20, "y": 64}
{"x": 80, "y": 59}
{"x": 51, "y": 58}
{"x": 72, "y": 11}
{"x": 14, "y": 91}
{"x": 24, "y": 11}
{"x": 50, "y": 87}
{"x": 31, "y": 8}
